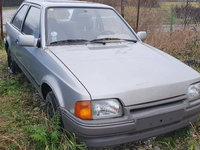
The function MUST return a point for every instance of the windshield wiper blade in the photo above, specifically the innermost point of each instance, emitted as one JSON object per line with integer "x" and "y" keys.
{"x": 104, "y": 39}
{"x": 130, "y": 40}
{"x": 69, "y": 41}
{"x": 112, "y": 39}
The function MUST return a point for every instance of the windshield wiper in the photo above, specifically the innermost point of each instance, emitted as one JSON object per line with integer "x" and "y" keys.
{"x": 130, "y": 40}
{"x": 69, "y": 41}
{"x": 102, "y": 40}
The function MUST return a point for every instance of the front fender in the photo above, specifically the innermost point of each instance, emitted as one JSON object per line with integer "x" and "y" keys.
{"x": 66, "y": 94}
{"x": 52, "y": 82}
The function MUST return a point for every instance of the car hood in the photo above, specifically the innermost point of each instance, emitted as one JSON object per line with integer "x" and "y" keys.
{"x": 134, "y": 73}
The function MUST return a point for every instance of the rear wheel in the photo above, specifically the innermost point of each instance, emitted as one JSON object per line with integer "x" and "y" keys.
{"x": 12, "y": 66}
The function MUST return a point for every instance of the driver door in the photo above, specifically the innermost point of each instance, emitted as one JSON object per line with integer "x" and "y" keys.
{"x": 29, "y": 55}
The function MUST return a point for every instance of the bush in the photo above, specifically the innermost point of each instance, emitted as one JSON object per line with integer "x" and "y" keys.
{"x": 150, "y": 3}
{"x": 183, "y": 45}
{"x": 191, "y": 12}
{"x": 50, "y": 136}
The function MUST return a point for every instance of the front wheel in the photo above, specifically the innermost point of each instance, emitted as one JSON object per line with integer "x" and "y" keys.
{"x": 50, "y": 105}
{"x": 52, "y": 109}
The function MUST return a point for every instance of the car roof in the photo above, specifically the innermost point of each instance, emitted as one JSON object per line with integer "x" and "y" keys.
{"x": 66, "y": 3}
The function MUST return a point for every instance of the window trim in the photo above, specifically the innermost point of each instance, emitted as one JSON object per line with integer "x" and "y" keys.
{"x": 23, "y": 23}
{"x": 19, "y": 29}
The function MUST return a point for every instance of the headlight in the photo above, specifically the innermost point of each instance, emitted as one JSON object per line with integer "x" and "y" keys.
{"x": 98, "y": 109}
{"x": 194, "y": 92}
{"x": 102, "y": 109}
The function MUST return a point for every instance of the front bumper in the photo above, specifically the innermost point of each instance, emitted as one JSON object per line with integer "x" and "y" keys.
{"x": 139, "y": 122}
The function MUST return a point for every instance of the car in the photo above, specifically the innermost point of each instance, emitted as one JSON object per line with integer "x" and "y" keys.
{"x": 89, "y": 65}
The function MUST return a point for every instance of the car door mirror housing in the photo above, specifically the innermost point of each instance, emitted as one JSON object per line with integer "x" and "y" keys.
{"x": 27, "y": 40}
{"x": 142, "y": 35}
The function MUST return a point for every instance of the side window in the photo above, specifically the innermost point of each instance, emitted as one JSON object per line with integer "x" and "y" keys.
{"x": 18, "y": 19}
{"x": 32, "y": 23}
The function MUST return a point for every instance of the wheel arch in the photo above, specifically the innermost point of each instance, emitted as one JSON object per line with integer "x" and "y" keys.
{"x": 48, "y": 85}
{"x": 45, "y": 89}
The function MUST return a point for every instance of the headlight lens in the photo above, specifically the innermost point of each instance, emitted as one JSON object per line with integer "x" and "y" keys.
{"x": 102, "y": 109}
{"x": 194, "y": 92}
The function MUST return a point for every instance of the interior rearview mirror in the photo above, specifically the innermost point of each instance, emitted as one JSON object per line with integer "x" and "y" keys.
{"x": 142, "y": 35}
{"x": 27, "y": 40}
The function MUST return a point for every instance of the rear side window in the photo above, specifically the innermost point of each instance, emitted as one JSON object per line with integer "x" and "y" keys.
{"x": 32, "y": 22}
{"x": 18, "y": 19}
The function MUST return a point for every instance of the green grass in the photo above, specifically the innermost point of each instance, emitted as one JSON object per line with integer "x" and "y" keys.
{"x": 23, "y": 124}
{"x": 8, "y": 8}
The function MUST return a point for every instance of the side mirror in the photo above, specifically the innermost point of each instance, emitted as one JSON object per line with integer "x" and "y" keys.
{"x": 142, "y": 35}
{"x": 27, "y": 40}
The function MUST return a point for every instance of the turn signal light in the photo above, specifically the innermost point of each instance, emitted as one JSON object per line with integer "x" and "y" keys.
{"x": 83, "y": 110}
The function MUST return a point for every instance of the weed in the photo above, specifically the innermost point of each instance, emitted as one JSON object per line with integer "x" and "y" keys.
{"x": 13, "y": 142}
{"x": 23, "y": 123}
{"x": 49, "y": 136}
{"x": 9, "y": 87}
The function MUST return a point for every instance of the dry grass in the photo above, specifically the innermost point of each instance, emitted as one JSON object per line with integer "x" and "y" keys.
{"x": 183, "y": 45}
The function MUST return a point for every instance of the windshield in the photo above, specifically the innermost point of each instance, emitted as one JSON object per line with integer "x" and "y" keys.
{"x": 85, "y": 24}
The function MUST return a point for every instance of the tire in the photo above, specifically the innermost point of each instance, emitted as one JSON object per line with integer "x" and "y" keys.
{"x": 52, "y": 108}
{"x": 12, "y": 66}
{"x": 51, "y": 105}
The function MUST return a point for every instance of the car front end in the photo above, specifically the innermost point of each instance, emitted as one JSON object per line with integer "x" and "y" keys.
{"x": 134, "y": 122}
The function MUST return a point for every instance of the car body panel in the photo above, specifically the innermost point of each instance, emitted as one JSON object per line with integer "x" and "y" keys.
{"x": 125, "y": 70}
{"x": 43, "y": 64}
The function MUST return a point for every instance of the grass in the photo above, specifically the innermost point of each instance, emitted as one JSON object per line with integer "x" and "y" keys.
{"x": 9, "y": 8}
{"x": 169, "y": 5}
{"x": 23, "y": 123}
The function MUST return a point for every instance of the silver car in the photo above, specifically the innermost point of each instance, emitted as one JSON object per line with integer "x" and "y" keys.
{"x": 88, "y": 63}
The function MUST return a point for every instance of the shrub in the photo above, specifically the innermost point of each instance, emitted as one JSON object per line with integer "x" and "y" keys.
{"x": 191, "y": 12}
{"x": 183, "y": 45}
{"x": 50, "y": 136}
{"x": 150, "y": 3}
